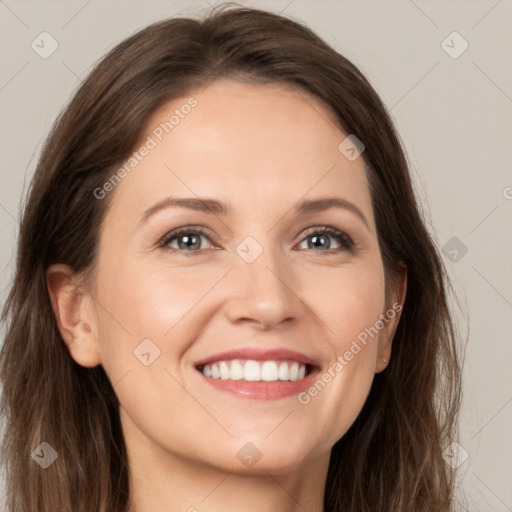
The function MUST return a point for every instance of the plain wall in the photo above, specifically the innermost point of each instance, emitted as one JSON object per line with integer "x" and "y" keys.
{"x": 454, "y": 116}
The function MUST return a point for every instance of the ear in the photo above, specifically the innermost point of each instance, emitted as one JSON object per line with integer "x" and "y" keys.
{"x": 392, "y": 315}
{"x": 74, "y": 314}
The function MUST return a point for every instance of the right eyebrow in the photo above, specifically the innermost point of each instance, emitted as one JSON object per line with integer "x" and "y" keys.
{"x": 206, "y": 205}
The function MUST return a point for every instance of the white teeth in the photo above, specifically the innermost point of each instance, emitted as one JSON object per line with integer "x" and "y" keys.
{"x": 255, "y": 371}
{"x": 294, "y": 371}
{"x": 269, "y": 372}
{"x": 252, "y": 371}
{"x": 284, "y": 372}
{"x": 224, "y": 370}
{"x": 236, "y": 371}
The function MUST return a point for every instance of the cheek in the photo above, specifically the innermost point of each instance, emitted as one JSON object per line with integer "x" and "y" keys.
{"x": 149, "y": 302}
{"x": 143, "y": 333}
{"x": 349, "y": 301}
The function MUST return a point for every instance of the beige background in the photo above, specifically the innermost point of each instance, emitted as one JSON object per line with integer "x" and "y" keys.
{"x": 454, "y": 116}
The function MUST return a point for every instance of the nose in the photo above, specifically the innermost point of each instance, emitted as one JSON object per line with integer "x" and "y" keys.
{"x": 262, "y": 292}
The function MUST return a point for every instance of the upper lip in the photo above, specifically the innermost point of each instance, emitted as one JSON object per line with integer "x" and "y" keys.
{"x": 258, "y": 354}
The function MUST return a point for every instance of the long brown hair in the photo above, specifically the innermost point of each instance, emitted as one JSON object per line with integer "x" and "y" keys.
{"x": 390, "y": 460}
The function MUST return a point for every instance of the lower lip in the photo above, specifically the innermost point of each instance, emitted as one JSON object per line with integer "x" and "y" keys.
{"x": 261, "y": 390}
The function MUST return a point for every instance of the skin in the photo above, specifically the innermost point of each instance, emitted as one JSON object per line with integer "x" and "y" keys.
{"x": 260, "y": 149}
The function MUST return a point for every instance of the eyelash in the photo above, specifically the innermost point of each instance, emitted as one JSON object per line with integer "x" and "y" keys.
{"x": 344, "y": 240}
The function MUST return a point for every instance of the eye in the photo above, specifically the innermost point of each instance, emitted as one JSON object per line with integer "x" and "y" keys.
{"x": 188, "y": 240}
{"x": 320, "y": 238}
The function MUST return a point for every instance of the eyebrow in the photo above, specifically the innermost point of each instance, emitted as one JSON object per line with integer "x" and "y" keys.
{"x": 214, "y": 207}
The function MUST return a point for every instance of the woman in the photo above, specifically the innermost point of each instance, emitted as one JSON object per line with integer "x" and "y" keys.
{"x": 225, "y": 295}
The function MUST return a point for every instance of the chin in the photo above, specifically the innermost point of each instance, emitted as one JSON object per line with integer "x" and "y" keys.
{"x": 253, "y": 455}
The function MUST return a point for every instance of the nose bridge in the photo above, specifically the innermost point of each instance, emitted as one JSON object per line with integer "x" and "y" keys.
{"x": 262, "y": 288}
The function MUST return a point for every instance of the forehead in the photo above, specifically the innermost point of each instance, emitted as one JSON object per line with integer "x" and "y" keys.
{"x": 272, "y": 144}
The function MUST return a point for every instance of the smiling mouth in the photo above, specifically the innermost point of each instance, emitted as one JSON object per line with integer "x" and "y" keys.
{"x": 250, "y": 370}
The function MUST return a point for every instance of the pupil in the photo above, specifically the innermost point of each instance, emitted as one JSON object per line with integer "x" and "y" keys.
{"x": 189, "y": 241}
{"x": 317, "y": 238}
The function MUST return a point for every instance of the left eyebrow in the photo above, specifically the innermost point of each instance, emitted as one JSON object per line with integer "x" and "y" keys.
{"x": 325, "y": 203}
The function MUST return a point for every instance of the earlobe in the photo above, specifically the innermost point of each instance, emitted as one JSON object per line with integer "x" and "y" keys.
{"x": 68, "y": 301}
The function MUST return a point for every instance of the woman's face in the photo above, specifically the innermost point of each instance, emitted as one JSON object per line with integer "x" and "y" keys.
{"x": 261, "y": 281}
